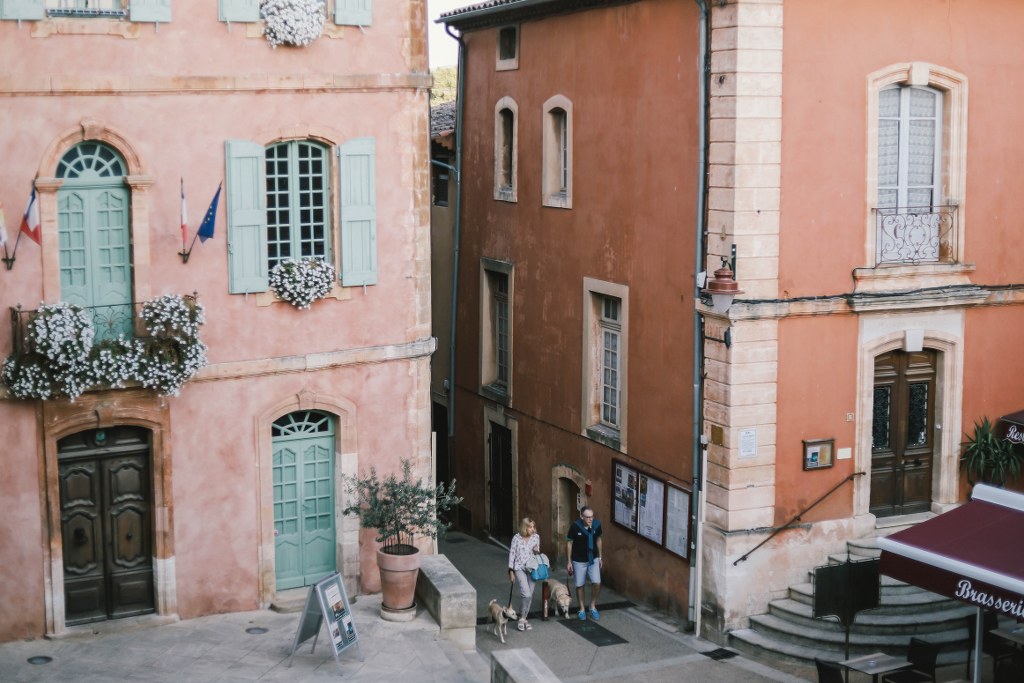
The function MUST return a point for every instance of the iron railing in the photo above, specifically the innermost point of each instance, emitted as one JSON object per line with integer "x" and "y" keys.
{"x": 798, "y": 516}
{"x": 109, "y": 322}
{"x": 915, "y": 234}
{"x": 110, "y": 9}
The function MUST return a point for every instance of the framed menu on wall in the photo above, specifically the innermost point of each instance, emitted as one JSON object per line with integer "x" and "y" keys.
{"x": 624, "y": 496}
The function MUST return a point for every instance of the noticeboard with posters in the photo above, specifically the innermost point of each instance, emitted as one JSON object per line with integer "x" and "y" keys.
{"x": 327, "y": 603}
{"x": 656, "y": 509}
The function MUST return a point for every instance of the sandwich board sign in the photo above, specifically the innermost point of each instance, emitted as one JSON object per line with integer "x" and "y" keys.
{"x": 327, "y": 604}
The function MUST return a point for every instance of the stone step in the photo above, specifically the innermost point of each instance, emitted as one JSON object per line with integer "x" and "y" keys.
{"x": 291, "y": 600}
{"x": 781, "y": 631}
{"x": 877, "y": 620}
{"x": 902, "y": 597}
{"x": 757, "y": 644}
{"x": 468, "y": 665}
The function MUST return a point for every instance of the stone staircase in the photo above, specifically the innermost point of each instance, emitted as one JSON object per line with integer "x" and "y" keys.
{"x": 789, "y": 632}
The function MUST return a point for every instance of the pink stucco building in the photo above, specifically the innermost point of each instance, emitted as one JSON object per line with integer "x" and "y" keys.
{"x": 125, "y": 502}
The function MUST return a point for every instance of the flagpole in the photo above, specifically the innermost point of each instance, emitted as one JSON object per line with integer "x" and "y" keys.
{"x": 9, "y": 260}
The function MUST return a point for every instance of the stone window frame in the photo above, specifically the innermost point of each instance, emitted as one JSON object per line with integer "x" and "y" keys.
{"x": 594, "y": 293}
{"x": 557, "y": 157}
{"x": 505, "y": 147}
{"x": 506, "y": 63}
{"x": 953, "y": 86}
{"x": 488, "y": 352}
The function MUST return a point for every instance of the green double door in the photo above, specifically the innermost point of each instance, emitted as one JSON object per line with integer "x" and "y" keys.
{"x": 95, "y": 252}
{"x": 304, "y": 509}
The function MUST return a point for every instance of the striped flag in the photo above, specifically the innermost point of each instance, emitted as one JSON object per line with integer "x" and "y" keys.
{"x": 30, "y": 221}
{"x": 184, "y": 214}
{"x": 3, "y": 227}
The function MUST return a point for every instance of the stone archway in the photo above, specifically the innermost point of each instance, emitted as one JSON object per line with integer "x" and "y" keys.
{"x": 568, "y": 494}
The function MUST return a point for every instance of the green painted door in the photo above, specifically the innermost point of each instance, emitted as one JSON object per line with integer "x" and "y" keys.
{"x": 93, "y": 232}
{"x": 303, "y": 471}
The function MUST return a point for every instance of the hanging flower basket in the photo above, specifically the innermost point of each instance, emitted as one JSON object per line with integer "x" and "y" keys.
{"x": 300, "y": 282}
{"x": 292, "y": 22}
{"x": 62, "y": 361}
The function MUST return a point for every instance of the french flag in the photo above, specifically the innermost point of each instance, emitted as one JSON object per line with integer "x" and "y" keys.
{"x": 30, "y": 221}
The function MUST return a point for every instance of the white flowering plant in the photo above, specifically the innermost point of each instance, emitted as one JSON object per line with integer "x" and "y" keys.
{"x": 59, "y": 358}
{"x": 300, "y": 282}
{"x": 292, "y": 22}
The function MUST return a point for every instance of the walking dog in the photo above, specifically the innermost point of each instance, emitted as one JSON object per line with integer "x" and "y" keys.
{"x": 559, "y": 597}
{"x": 500, "y": 616}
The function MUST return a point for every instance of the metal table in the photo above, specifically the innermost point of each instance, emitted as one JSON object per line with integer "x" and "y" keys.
{"x": 875, "y": 664}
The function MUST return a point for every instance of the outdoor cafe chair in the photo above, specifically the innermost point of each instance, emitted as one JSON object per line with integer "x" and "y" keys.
{"x": 922, "y": 656}
{"x": 829, "y": 672}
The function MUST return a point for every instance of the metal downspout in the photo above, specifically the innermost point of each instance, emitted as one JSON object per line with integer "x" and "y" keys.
{"x": 699, "y": 447}
{"x": 457, "y": 230}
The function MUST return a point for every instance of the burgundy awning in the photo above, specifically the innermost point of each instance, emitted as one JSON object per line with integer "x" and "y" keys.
{"x": 974, "y": 553}
{"x": 1011, "y": 427}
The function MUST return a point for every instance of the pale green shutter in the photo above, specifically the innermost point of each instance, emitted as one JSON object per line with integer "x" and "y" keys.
{"x": 247, "y": 217}
{"x": 239, "y": 10}
{"x": 22, "y": 9}
{"x": 353, "y": 12}
{"x": 150, "y": 10}
{"x": 357, "y": 168}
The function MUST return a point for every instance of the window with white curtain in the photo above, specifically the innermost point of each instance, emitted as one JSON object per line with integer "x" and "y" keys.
{"x": 909, "y": 147}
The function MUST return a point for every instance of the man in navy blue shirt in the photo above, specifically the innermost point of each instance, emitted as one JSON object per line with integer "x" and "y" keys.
{"x": 583, "y": 545}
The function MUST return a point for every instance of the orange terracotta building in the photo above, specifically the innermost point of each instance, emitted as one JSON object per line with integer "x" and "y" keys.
{"x": 850, "y": 161}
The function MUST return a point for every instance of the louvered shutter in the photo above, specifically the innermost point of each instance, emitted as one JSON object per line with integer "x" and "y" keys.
{"x": 22, "y": 9}
{"x": 357, "y": 168}
{"x": 239, "y": 10}
{"x": 247, "y": 217}
{"x": 353, "y": 12}
{"x": 150, "y": 10}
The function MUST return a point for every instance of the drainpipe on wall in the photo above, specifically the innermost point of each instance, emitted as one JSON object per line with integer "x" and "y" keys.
{"x": 699, "y": 442}
{"x": 459, "y": 100}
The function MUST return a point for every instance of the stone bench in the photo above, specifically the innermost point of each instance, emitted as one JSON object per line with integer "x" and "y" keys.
{"x": 519, "y": 666}
{"x": 449, "y": 598}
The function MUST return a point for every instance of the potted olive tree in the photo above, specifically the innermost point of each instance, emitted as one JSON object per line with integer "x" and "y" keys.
{"x": 399, "y": 508}
{"x": 989, "y": 458}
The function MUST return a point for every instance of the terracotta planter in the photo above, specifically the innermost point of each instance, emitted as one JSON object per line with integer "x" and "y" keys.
{"x": 398, "y": 575}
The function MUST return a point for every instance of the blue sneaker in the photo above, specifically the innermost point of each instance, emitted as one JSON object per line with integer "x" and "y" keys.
{"x": 582, "y": 615}
{"x": 593, "y": 614}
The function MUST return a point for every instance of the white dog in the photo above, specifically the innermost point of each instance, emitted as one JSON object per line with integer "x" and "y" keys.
{"x": 500, "y": 616}
{"x": 559, "y": 597}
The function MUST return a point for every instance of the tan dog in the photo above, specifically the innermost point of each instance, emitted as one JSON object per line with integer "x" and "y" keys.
{"x": 559, "y": 597}
{"x": 500, "y": 616}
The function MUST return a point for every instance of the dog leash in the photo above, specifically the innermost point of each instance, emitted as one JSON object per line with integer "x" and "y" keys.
{"x": 511, "y": 585}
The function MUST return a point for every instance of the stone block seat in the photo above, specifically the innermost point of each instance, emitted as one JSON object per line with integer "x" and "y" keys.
{"x": 449, "y": 598}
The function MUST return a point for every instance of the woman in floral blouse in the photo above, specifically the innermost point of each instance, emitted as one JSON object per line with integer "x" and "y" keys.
{"x": 524, "y": 544}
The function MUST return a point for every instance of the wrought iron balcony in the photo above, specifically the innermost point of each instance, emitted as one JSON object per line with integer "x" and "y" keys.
{"x": 915, "y": 234}
{"x": 109, "y": 322}
{"x": 109, "y": 9}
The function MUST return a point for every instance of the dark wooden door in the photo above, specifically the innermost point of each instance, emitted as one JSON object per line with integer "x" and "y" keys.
{"x": 105, "y": 501}
{"x": 902, "y": 434}
{"x": 501, "y": 522}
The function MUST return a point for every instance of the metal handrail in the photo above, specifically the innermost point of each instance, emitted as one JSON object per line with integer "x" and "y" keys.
{"x": 797, "y": 516}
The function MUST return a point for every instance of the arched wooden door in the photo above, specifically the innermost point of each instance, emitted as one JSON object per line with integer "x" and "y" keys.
{"x": 106, "y": 528}
{"x": 903, "y": 433}
{"x": 304, "y": 507}
{"x": 95, "y": 244}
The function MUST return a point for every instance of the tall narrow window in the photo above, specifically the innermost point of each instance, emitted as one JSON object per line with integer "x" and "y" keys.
{"x": 506, "y": 156}
{"x": 507, "y": 142}
{"x": 909, "y": 148}
{"x": 496, "y": 330}
{"x": 605, "y": 372}
{"x": 298, "y": 218}
{"x": 556, "y": 170}
{"x": 611, "y": 330}
{"x": 500, "y": 324}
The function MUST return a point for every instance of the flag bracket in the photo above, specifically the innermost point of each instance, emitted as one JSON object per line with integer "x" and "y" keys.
{"x": 8, "y": 260}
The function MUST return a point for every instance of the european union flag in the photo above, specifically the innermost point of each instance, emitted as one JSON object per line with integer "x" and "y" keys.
{"x": 210, "y": 219}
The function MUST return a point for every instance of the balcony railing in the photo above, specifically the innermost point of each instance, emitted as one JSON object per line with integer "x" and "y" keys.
{"x": 111, "y": 9}
{"x": 108, "y": 321}
{"x": 915, "y": 234}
